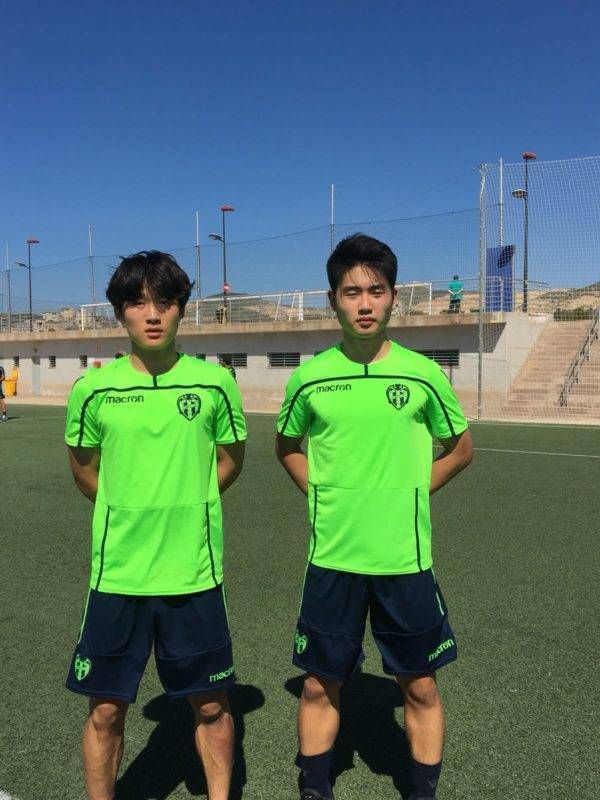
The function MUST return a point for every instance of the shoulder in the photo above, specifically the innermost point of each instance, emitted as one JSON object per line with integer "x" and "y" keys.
{"x": 417, "y": 364}
{"x": 322, "y": 365}
{"x": 203, "y": 371}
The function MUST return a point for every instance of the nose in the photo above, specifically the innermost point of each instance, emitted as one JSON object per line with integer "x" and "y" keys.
{"x": 365, "y": 306}
{"x": 152, "y": 312}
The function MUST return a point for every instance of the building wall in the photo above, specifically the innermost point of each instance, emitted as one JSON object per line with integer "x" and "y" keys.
{"x": 507, "y": 344}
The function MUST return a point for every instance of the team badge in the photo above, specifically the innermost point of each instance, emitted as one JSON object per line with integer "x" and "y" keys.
{"x": 301, "y": 642}
{"x": 82, "y": 667}
{"x": 397, "y": 395}
{"x": 188, "y": 405}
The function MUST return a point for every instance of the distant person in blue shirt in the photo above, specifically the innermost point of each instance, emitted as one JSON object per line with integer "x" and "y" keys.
{"x": 455, "y": 288}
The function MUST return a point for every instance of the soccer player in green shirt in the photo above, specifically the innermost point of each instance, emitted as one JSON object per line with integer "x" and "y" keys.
{"x": 370, "y": 409}
{"x": 154, "y": 439}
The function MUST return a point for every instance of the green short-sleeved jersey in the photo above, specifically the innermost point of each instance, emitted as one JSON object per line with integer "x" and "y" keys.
{"x": 370, "y": 433}
{"x": 157, "y": 524}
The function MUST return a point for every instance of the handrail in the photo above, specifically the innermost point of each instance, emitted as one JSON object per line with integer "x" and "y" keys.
{"x": 582, "y": 355}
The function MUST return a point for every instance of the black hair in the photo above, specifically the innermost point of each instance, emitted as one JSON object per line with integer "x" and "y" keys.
{"x": 226, "y": 360}
{"x": 151, "y": 269}
{"x": 455, "y": 277}
{"x": 358, "y": 250}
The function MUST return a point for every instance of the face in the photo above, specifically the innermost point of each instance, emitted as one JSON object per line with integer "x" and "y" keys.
{"x": 363, "y": 302}
{"x": 150, "y": 322}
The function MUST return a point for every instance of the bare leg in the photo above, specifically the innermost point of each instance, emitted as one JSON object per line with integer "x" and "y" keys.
{"x": 318, "y": 715}
{"x": 102, "y": 746}
{"x": 214, "y": 741}
{"x": 423, "y": 718}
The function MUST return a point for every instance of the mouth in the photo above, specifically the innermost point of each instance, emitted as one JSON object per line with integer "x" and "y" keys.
{"x": 366, "y": 322}
{"x": 153, "y": 333}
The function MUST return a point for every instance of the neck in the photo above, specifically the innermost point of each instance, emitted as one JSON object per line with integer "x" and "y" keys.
{"x": 366, "y": 350}
{"x": 153, "y": 362}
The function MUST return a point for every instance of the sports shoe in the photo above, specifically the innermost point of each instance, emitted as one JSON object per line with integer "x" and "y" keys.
{"x": 312, "y": 794}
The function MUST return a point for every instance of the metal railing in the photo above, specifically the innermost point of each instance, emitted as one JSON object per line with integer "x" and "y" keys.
{"x": 413, "y": 299}
{"x": 582, "y": 355}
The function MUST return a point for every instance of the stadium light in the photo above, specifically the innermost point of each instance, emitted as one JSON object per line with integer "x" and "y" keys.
{"x": 222, "y": 238}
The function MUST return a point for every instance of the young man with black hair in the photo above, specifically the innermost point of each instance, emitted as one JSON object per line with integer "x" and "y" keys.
{"x": 370, "y": 408}
{"x": 154, "y": 439}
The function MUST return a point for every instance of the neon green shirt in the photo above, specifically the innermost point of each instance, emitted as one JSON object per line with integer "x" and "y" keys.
{"x": 157, "y": 523}
{"x": 370, "y": 433}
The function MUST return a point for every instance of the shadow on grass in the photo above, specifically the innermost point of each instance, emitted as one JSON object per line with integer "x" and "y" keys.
{"x": 368, "y": 728}
{"x": 170, "y": 758}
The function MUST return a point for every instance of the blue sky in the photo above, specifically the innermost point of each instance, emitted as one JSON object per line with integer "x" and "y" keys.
{"x": 132, "y": 115}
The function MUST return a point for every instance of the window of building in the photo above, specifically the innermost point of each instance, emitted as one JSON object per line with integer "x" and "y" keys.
{"x": 201, "y": 356}
{"x": 445, "y": 358}
{"x": 51, "y": 362}
{"x": 16, "y": 360}
{"x": 237, "y": 359}
{"x": 283, "y": 359}
{"x": 83, "y": 362}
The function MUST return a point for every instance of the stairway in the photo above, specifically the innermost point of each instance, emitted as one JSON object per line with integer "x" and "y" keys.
{"x": 537, "y": 387}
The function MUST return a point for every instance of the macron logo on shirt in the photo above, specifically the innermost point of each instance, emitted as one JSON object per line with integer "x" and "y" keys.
{"x": 128, "y": 398}
{"x": 334, "y": 387}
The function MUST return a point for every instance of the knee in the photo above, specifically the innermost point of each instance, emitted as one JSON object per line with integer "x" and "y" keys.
{"x": 421, "y": 692}
{"x": 209, "y": 709}
{"x": 319, "y": 690}
{"x": 108, "y": 717}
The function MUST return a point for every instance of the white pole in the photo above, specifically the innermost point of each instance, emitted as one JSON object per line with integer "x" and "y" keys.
{"x": 501, "y": 217}
{"x": 332, "y": 217}
{"x": 197, "y": 268}
{"x": 92, "y": 276}
{"x": 8, "y": 291}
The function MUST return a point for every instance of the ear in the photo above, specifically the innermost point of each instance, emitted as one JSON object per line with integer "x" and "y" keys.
{"x": 331, "y": 296}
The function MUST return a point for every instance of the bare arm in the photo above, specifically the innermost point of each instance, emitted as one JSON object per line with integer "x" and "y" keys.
{"x": 294, "y": 461}
{"x": 230, "y": 458}
{"x": 85, "y": 465}
{"x": 458, "y": 454}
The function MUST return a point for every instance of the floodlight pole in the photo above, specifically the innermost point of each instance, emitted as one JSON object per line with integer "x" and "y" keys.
{"x": 527, "y": 157}
{"x": 29, "y": 243}
{"x": 224, "y": 210}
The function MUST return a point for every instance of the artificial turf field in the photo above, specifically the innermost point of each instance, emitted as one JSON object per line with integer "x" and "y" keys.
{"x": 516, "y": 544}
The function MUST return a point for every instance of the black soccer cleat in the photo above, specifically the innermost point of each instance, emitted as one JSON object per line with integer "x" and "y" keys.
{"x": 312, "y": 794}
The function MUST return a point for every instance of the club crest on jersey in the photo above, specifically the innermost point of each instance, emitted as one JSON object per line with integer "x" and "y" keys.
{"x": 397, "y": 395}
{"x": 188, "y": 405}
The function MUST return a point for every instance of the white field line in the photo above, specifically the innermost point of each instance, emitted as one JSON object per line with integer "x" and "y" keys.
{"x": 529, "y": 452}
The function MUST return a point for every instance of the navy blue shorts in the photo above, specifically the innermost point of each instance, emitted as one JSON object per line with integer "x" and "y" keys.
{"x": 409, "y": 621}
{"x": 190, "y": 635}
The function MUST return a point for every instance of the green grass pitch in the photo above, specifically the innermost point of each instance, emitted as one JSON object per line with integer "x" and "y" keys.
{"x": 516, "y": 552}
